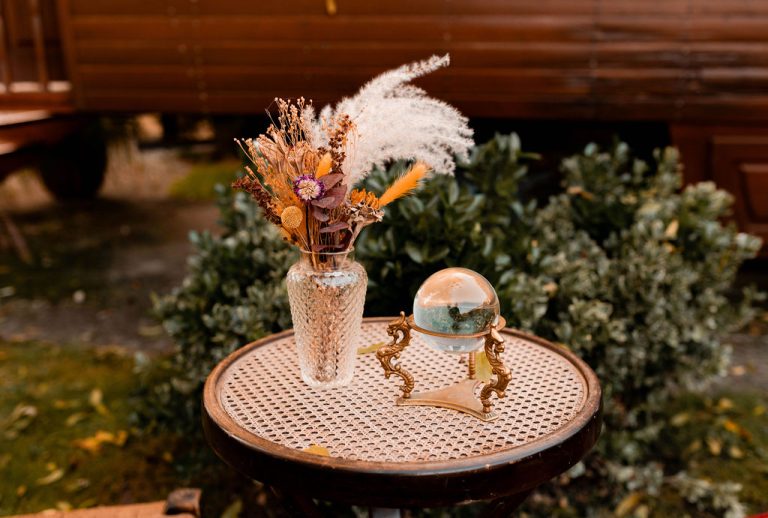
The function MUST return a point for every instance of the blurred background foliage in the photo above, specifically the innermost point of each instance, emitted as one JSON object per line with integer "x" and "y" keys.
{"x": 618, "y": 262}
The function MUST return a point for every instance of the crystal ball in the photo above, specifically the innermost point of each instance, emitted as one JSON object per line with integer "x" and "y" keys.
{"x": 455, "y": 301}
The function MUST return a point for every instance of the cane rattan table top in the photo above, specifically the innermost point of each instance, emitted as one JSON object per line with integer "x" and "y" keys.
{"x": 257, "y": 396}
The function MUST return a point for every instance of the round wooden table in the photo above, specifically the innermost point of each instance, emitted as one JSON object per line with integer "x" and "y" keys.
{"x": 260, "y": 418}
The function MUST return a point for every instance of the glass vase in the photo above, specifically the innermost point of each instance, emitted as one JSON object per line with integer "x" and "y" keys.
{"x": 326, "y": 293}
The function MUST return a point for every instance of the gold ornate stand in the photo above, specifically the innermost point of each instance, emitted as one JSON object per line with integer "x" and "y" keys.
{"x": 461, "y": 395}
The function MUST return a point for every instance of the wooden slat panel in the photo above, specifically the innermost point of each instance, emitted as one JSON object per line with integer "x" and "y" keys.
{"x": 338, "y": 28}
{"x": 408, "y": 7}
{"x": 672, "y": 60}
{"x": 338, "y": 54}
{"x": 239, "y": 102}
{"x": 755, "y": 182}
{"x": 344, "y": 7}
{"x": 5, "y": 62}
{"x": 315, "y": 82}
{"x": 36, "y": 21}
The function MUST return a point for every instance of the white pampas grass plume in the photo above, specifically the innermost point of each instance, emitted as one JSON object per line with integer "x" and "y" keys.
{"x": 395, "y": 120}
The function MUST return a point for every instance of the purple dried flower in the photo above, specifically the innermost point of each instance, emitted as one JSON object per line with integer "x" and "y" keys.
{"x": 308, "y": 188}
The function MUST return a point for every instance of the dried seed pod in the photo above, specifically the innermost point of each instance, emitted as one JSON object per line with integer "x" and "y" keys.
{"x": 292, "y": 217}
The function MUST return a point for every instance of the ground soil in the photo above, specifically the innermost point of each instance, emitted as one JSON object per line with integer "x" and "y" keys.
{"x": 94, "y": 265}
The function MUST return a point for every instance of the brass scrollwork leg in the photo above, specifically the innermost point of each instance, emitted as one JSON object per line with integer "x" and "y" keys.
{"x": 494, "y": 346}
{"x": 400, "y": 332}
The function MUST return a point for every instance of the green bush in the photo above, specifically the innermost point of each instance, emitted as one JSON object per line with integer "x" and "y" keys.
{"x": 233, "y": 294}
{"x": 629, "y": 271}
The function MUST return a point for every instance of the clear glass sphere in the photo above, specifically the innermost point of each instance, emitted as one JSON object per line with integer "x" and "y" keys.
{"x": 455, "y": 301}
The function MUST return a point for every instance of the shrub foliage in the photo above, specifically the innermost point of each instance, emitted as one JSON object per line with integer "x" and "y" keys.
{"x": 623, "y": 266}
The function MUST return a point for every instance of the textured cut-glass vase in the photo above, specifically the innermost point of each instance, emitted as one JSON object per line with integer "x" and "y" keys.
{"x": 326, "y": 292}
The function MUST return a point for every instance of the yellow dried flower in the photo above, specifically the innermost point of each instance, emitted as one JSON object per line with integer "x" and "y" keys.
{"x": 372, "y": 201}
{"x": 366, "y": 198}
{"x": 292, "y": 217}
{"x": 324, "y": 166}
{"x": 356, "y": 196}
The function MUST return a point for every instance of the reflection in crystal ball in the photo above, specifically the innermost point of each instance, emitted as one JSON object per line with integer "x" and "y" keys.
{"x": 455, "y": 301}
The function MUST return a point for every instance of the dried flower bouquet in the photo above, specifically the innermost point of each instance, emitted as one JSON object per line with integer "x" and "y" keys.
{"x": 305, "y": 166}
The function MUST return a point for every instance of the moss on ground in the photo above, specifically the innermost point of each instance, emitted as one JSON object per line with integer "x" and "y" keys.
{"x": 199, "y": 183}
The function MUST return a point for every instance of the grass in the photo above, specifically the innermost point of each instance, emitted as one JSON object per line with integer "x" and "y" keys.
{"x": 65, "y": 436}
{"x": 199, "y": 183}
{"x": 67, "y": 439}
{"x": 719, "y": 438}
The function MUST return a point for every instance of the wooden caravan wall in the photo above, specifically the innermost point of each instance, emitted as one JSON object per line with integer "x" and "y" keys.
{"x": 609, "y": 59}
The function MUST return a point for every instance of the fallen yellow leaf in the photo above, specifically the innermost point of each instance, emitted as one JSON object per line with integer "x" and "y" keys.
{"x": 21, "y": 490}
{"x": 370, "y": 348}
{"x": 628, "y": 503}
{"x": 758, "y": 410}
{"x": 233, "y": 510}
{"x": 96, "y": 400}
{"x": 483, "y": 370}
{"x": 671, "y": 231}
{"x": 714, "y": 446}
{"x": 317, "y": 450}
{"x": 579, "y": 191}
{"x": 62, "y": 404}
{"x": 93, "y": 444}
{"x": 680, "y": 419}
{"x": 550, "y": 288}
{"x": 731, "y": 426}
{"x": 50, "y": 478}
{"x": 77, "y": 485}
{"x": 738, "y": 370}
{"x": 735, "y": 452}
{"x": 75, "y": 418}
{"x": 724, "y": 404}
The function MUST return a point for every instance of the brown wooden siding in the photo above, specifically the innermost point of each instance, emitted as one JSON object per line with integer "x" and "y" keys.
{"x": 605, "y": 59}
